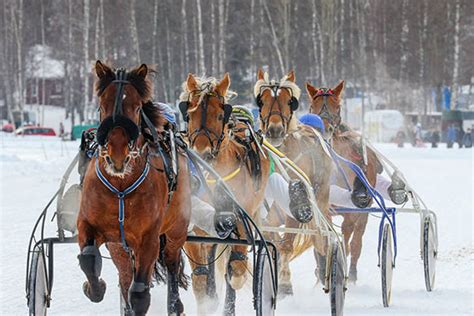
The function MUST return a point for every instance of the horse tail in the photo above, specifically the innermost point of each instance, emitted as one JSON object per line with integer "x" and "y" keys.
{"x": 160, "y": 272}
{"x": 301, "y": 243}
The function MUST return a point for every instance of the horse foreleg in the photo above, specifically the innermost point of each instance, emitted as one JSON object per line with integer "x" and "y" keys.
{"x": 90, "y": 262}
{"x": 124, "y": 267}
{"x": 356, "y": 244}
{"x": 238, "y": 267}
{"x": 176, "y": 276}
{"x": 286, "y": 251}
{"x": 145, "y": 259}
{"x": 201, "y": 272}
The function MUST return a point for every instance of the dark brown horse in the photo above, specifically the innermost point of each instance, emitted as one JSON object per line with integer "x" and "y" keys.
{"x": 277, "y": 102}
{"x": 126, "y": 201}
{"x": 205, "y": 106}
{"x": 327, "y": 104}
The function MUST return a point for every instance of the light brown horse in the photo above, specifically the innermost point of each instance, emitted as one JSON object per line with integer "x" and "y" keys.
{"x": 207, "y": 113}
{"x": 125, "y": 199}
{"x": 277, "y": 102}
{"x": 327, "y": 104}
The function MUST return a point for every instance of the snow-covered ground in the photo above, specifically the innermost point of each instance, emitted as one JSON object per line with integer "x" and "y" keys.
{"x": 31, "y": 169}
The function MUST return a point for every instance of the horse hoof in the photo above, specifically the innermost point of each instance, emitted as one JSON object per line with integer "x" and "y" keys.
{"x": 285, "y": 290}
{"x": 96, "y": 293}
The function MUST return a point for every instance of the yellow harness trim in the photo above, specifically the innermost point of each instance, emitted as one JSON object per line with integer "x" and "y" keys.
{"x": 226, "y": 178}
{"x": 281, "y": 155}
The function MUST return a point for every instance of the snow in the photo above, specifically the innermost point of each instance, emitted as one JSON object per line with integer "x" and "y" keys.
{"x": 41, "y": 64}
{"x": 31, "y": 169}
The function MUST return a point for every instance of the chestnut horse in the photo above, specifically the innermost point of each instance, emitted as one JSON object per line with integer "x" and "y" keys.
{"x": 277, "y": 102}
{"x": 204, "y": 106}
{"x": 327, "y": 104}
{"x": 126, "y": 201}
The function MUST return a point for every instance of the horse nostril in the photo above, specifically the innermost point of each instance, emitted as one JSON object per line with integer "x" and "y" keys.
{"x": 127, "y": 159}
{"x": 108, "y": 159}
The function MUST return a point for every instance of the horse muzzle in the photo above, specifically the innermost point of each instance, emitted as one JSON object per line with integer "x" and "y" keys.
{"x": 111, "y": 122}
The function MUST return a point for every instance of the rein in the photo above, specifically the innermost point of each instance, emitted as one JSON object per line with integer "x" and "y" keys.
{"x": 121, "y": 196}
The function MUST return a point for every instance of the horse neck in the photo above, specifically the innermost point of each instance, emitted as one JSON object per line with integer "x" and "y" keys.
{"x": 227, "y": 158}
{"x": 293, "y": 124}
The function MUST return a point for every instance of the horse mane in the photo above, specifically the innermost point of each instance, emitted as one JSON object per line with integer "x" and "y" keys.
{"x": 154, "y": 112}
{"x": 205, "y": 85}
{"x": 144, "y": 86}
{"x": 284, "y": 83}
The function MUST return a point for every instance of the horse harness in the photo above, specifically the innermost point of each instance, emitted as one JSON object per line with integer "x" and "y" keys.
{"x": 203, "y": 129}
{"x": 334, "y": 120}
{"x": 274, "y": 88}
{"x": 161, "y": 144}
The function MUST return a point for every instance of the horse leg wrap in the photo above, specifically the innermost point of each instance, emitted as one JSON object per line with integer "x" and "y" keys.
{"x": 225, "y": 220}
{"x": 300, "y": 205}
{"x": 139, "y": 297}
{"x": 360, "y": 195}
{"x": 175, "y": 306}
{"x": 90, "y": 261}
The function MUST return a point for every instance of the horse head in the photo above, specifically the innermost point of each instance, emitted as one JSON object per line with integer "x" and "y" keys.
{"x": 277, "y": 101}
{"x": 204, "y": 106}
{"x": 327, "y": 104}
{"x": 121, "y": 95}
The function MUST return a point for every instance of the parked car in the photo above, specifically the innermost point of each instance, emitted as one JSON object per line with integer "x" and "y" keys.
{"x": 8, "y": 128}
{"x": 35, "y": 130}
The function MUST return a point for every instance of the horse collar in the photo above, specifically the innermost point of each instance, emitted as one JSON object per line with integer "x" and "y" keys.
{"x": 121, "y": 196}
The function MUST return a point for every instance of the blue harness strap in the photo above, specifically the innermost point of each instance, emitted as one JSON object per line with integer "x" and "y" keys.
{"x": 121, "y": 196}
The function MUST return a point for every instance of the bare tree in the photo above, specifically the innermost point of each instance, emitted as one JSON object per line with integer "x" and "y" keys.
{"x": 221, "y": 5}
{"x": 456, "y": 56}
{"x": 134, "y": 33}
{"x": 202, "y": 66}
{"x": 275, "y": 41}
{"x": 86, "y": 69}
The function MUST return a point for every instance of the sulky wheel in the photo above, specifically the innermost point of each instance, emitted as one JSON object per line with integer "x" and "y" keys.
{"x": 265, "y": 296}
{"x": 337, "y": 280}
{"x": 38, "y": 288}
{"x": 430, "y": 251}
{"x": 386, "y": 265}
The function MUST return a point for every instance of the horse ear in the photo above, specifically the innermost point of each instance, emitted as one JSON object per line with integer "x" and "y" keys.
{"x": 311, "y": 90}
{"x": 338, "y": 89}
{"x": 101, "y": 69}
{"x": 191, "y": 83}
{"x": 291, "y": 76}
{"x": 142, "y": 71}
{"x": 260, "y": 74}
{"x": 224, "y": 85}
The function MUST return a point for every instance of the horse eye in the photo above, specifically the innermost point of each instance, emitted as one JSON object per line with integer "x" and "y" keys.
{"x": 220, "y": 117}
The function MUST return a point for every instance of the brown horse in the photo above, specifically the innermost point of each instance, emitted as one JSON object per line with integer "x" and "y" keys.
{"x": 327, "y": 104}
{"x": 126, "y": 200}
{"x": 207, "y": 112}
{"x": 277, "y": 102}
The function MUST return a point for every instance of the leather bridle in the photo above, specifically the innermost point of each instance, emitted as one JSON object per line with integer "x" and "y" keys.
{"x": 215, "y": 138}
{"x": 334, "y": 120}
{"x": 293, "y": 104}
